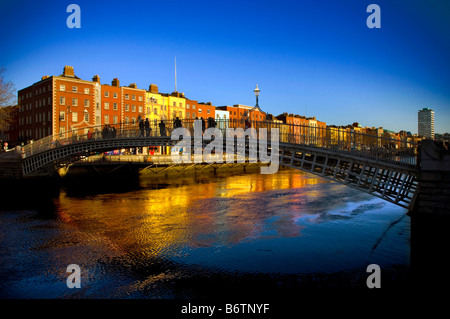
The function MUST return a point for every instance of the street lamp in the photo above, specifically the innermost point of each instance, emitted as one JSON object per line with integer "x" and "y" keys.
{"x": 256, "y": 90}
{"x": 247, "y": 113}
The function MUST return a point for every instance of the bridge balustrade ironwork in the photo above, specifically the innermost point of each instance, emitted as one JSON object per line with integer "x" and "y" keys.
{"x": 401, "y": 151}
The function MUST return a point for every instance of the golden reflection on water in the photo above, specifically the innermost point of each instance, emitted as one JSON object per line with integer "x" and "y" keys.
{"x": 188, "y": 213}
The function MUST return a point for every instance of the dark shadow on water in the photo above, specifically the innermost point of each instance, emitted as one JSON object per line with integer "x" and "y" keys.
{"x": 179, "y": 281}
{"x": 31, "y": 194}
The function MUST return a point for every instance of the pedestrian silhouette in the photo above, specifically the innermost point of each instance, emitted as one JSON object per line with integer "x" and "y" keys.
{"x": 148, "y": 129}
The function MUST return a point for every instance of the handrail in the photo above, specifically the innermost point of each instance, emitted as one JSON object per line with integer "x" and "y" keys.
{"x": 402, "y": 151}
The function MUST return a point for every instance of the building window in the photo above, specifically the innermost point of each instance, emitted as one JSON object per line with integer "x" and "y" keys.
{"x": 140, "y": 98}
{"x": 115, "y": 95}
{"x": 97, "y": 120}
{"x": 199, "y": 110}
{"x": 86, "y": 91}
{"x": 75, "y": 101}
{"x": 193, "y": 115}
{"x": 133, "y": 120}
{"x": 106, "y": 94}
{"x": 127, "y": 107}
{"x": 62, "y": 100}
{"x": 155, "y": 110}
{"x": 126, "y": 119}
{"x": 74, "y": 89}
{"x": 106, "y": 119}
{"x": 127, "y": 97}
{"x": 86, "y": 103}
{"x": 74, "y": 117}
{"x": 187, "y": 115}
{"x": 106, "y": 105}
{"x": 133, "y": 97}
{"x": 140, "y": 108}
{"x": 62, "y": 116}
{"x": 115, "y": 106}
{"x": 193, "y": 106}
{"x": 62, "y": 87}
{"x": 133, "y": 108}
{"x": 208, "y": 111}
{"x": 174, "y": 103}
{"x": 86, "y": 117}
{"x": 181, "y": 104}
{"x": 187, "y": 106}
{"x": 180, "y": 114}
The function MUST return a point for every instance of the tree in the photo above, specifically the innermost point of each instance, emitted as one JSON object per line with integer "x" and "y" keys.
{"x": 7, "y": 90}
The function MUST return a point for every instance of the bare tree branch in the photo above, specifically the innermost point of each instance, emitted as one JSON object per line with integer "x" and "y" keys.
{"x": 7, "y": 90}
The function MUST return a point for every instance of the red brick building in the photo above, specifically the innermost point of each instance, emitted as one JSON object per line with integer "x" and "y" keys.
{"x": 58, "y": 104}
{"x": 239, "y": 112}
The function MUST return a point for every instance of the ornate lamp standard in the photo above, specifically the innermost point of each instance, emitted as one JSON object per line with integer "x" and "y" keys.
{"x": 247, "y": 114}
{"x": 256, "y": 90}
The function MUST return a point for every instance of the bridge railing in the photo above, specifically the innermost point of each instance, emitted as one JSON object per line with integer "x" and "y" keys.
{"x": 383, "y": 147}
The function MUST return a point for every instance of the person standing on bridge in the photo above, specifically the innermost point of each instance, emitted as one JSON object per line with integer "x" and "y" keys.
{"x": 162, "y": 128}
{"x": 147, "y": 127}
{"x": 203, "y": 125}
{"x": 141, "y": 128}
{"x": 177, "y": 123}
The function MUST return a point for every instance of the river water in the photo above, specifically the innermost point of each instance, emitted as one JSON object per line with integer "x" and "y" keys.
{"x": 202, "y": 236}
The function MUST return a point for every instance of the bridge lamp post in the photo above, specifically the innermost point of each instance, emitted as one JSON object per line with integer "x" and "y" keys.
{"x": 256, "y": 90}
{"x": 247, "y": 114}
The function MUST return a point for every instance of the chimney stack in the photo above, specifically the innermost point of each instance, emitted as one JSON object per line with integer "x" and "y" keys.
{"x": 115, "y": 82}
{"x": 96, "y": 78}
{"x": 68, "y": 71}
{"x": 153, "y": 88}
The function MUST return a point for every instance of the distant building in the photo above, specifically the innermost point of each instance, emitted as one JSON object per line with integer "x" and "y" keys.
{"x": 426, "y": 123}
{"x": 222, "y": 118}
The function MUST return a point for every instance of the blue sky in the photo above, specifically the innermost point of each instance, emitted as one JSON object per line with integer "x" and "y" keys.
{"x": 314, "y": 58}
